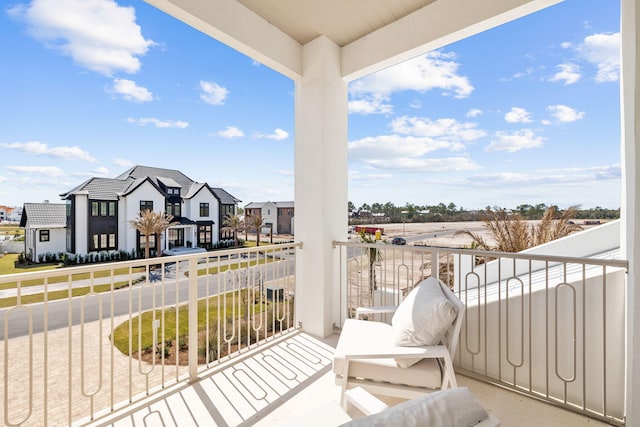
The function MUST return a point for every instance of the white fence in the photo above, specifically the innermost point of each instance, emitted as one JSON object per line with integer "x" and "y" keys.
{"x": 78, "y": 343}
{"x": 548, "y": 326}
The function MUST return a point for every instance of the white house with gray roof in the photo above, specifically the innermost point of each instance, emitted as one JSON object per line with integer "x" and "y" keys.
{"x": 100, "y": 210}
{"x": 278, "y": 215}
{"x": 44, "y": 229}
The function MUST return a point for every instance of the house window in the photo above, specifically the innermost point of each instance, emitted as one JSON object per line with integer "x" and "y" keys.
{"x": 176, "y": 237}
{"x": 173, "y": 191}
{"x": 44, "y": 235}
{"x": 94, "y": 208}
{"x": 142, "y": 241}
{"x": 112, "y": 208}
{"x": 146, "y": 205}
{"x": 204, "y": 235}
{"x": 103, "y": 241}
{"x": 204, "y": 209}
{"x": 103, "y": 208}
{"x": 173, "y": 209}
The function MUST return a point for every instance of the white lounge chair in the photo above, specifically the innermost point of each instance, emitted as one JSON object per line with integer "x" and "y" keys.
{"x": 455, "y": 407}
{"x": 371, "y": 353}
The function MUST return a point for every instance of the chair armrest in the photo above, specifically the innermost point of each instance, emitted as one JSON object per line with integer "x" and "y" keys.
{"x": 364, "y": 401}
{"x": 398, "y": 352}
{"x": 361, "y": 311}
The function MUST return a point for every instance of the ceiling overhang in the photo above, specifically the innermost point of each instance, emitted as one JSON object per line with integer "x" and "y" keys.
{"x": 372, "y": 34}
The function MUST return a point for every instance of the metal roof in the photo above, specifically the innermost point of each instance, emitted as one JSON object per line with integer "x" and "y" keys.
{"x": 224, "y": 197}
{"x": 44, "y": 215}
{"x": 128, "y": 181}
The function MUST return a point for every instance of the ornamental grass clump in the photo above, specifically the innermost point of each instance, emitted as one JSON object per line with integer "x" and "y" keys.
{"x": 510, "y": 233}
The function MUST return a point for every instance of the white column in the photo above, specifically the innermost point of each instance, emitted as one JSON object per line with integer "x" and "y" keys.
{"x": 320, "y": 184}
{"x": 630, "y": 209}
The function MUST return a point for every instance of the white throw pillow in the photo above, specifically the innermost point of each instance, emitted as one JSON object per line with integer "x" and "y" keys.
{"x": 422, "y": 318}
{"x": 454, "y": 407}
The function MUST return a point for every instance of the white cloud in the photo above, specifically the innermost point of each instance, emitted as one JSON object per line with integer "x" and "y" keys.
{"x": 50, "y": 171}
{"x": 213, "y": 93}
{"x": 286, "y": 172}
{"x": 405, "y": 152}
{"x": 102, "y": 171}
{"x": 568, "y": 74}
{"x": 518, "y": 115}
{"x": 278, "y": 135}
{"x": 98, "y": 35}
{"x": 375, "y": 104}
{"x": 566, "y": 176}
{"x": 130, "y": 91}
{"x": 123, "y": 163}
{"x": 416, "y": 104}
{"x": 444, "y": 129}
{"x": 143, "y": 121}
{"x": 564, "y": 114}
{"x": 474, "y": 112}
{"x": 231, "y": 132}
{"x": 515, "y": 141}
{"x": 368, "y": 177}
{"x": 38, "y": 148}
{"x": 603, "y": 50}
{"x": 435, "y": 70}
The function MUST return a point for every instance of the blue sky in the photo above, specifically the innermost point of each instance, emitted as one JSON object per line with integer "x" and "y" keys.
{"x": 524, "y": 113}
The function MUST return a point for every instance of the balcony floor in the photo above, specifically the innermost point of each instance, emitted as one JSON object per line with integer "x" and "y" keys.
{"x": 288, "y": 382}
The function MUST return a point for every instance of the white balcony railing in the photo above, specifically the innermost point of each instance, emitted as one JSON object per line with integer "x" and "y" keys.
{"x": 550, "y": 327}
{"x": 82, "y": 342}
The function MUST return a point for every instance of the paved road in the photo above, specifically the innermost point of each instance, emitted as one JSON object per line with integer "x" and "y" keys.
{"x": 138, "y": 298}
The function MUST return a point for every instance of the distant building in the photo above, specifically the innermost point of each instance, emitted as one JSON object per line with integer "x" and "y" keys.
{"x": 10, "y": 214}
{"x": 278, "y": 215}
{"x": 44, "y": 229}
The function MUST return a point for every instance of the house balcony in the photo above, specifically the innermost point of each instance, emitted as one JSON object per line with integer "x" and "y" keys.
{"x": 214, "y": 339}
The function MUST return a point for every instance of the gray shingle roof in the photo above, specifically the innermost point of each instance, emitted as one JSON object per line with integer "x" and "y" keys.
{"x": 110, "y": 188}
{"x": 101, "y": 188}
{"x": 224, "y": 197}
{"x": 44, "y": 215}
{"x": 156, "y": 174}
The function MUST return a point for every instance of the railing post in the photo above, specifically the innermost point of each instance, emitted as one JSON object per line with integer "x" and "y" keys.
{"x": 193, "y": 319}
{"x": 435, "y": 264}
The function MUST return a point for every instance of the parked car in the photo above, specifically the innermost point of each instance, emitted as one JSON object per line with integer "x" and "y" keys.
{"x": 399, "y": 241}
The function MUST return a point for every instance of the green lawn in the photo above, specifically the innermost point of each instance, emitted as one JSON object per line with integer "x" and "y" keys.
{"x": 7, "y": 265}
{"x": 179, "y": 328}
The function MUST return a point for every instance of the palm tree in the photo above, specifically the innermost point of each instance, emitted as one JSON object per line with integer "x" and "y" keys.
{"x": 374, "y": 255}
{"x": 233, "y": 223}
{"x": 510, "y": 233}
{"x": 150, "y": 223}
{"x": 257, "y": 222}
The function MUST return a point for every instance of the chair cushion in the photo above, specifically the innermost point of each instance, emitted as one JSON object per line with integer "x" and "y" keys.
{"x": 358, "y": 335}
{"x": 454, "y": 407}
{"x": 422, "y": 318}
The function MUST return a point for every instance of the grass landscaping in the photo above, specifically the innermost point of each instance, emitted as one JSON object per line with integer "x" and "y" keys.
{"x": 251, "y": 310}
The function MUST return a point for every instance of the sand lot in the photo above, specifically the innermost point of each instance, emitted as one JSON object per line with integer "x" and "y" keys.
{"x": 432, "y": 233}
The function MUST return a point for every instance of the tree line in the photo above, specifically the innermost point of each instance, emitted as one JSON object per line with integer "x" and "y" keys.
{"x": 390, "y": 213}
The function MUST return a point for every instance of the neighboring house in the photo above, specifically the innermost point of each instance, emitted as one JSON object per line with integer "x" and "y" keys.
{"x": 44, "y": 229}
{"x": 99, "y": 211}
{"x": 277, "y": 214}
{"x": 10, "y": 214}
{"x": 228, "y": 206}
